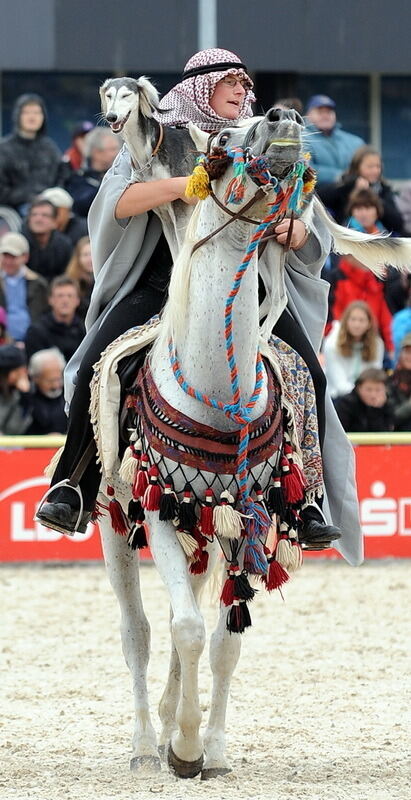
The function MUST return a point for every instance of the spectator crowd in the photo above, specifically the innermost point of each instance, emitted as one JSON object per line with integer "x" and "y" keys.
{"x": 46, "y": 272}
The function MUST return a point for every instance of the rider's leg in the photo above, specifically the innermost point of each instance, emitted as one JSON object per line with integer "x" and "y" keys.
{"x": 314, "y": 529}
{"x": 287, "y": 329}
{"x": 133, "y": 310}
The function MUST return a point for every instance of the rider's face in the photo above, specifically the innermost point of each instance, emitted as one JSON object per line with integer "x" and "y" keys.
{"x": 228, "y": 97}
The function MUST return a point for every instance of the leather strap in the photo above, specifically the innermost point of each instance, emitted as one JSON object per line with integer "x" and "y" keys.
{"x": 82, "y": 465}
{"x": 234, "y": 216}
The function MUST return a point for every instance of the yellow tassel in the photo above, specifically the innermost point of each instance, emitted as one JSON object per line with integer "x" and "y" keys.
{"x": 309, "y": 186}
{"x": 188, "y": 543}
{"x": 198, "y": 183}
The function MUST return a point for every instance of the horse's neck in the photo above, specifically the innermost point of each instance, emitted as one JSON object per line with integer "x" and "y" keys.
{"x": 201, "y": 347}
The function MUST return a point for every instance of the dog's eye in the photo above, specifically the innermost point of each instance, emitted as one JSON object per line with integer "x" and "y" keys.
{"x": 223, "y": 139}
{"x": 126, "y": 95}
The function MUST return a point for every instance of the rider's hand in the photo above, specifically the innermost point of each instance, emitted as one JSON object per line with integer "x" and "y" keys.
{"x": 298, "y": 235}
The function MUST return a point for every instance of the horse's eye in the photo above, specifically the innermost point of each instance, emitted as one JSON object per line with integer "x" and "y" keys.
{"x": 223, "y": 139}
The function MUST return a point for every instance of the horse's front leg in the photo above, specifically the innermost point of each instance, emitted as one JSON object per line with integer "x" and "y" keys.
{"x": 171, "y": 695}
{"x": 123, "y": 571}
{"x": 188, "y": 632}
{"x": 224, "y": 654}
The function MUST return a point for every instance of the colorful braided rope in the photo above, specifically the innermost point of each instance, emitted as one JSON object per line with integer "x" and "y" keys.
{"x": 236, "y": 411}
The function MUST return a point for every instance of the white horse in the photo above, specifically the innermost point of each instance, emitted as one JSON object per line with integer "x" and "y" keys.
{"x": 191, "y": 343}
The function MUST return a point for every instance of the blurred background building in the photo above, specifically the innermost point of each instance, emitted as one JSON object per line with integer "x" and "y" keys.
{"x": 358, "y": 53}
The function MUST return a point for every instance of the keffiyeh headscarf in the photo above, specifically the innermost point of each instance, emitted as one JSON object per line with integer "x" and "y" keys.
{"x": 189, "y": 100}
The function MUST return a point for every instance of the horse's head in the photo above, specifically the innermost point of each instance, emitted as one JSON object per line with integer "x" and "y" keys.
{"x": 271, "y": 150}
{"x": 122, "y": 98}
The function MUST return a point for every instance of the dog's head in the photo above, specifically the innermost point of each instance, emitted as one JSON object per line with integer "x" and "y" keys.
{"x": 121, "y": 97}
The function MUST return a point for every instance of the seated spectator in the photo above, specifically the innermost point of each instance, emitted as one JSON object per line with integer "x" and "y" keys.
{"x": 68, "y": 223}
{"x": 364, "y": 172}
{"x": 101, "y": 148}
{"x": 74, "y": 155}
{"x": 351, "y": 347}
{"x": 364, "y": 212}
{"x": 50, "y": 250}
{"x": 60, "y": 327}
{"x": 366, "y": 409}
{"x": 14, "y": 390}
{"x": 403, "y": 200}
{"x": 29, "y": 160}
{"x": 351, "y": 280}
{"x": 401, "y": 321}
{"x": 80, "y": 269}
{"x": 399, "y": 387}
{"x": 22, "y": 292}
{"x": 330, "y": 146}
{"x": 46, "y": 403}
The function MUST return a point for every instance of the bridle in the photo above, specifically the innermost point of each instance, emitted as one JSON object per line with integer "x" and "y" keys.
{"x": 240, "y": 215}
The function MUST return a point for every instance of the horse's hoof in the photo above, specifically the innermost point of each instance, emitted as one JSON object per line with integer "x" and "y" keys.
{"x": 184, "y": 769}
{"x": 214, "y": 772}
{"x": 149, "y": 763}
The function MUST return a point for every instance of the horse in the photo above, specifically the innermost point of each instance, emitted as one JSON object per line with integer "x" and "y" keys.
{"x": 204, "y": 383}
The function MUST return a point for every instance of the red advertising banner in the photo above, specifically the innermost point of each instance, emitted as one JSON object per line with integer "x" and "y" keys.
{"x": 384, "y": 484}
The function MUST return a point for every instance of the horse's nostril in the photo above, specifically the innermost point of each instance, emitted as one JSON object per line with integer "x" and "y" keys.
{"x": 274, "y": 114}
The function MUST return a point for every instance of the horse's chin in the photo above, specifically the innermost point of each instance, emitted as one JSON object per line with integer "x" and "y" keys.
{"x": 282, "y": 155}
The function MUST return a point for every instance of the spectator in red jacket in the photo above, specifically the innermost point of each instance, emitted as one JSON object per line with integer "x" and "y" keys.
{"x": 350, "y": 281}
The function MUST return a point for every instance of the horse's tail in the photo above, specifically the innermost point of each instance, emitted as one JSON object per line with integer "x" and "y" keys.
{"x": 374, "y": 251}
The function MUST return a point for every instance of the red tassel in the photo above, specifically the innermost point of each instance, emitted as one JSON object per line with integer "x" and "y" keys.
{"x": 199, "y": 566}
{"x": 152, "y": 495}
{"x": 206, "y": 525}
{"x": 276, "y": 575}
{"x": 293, "y": 490}
{"x": 295, "y": 468}
{"x": 141, "y": 478}
{"x": 227, "y": 595}
{"x": 117, "y": 515}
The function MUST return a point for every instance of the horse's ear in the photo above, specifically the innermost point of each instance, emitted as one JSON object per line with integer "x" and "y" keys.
{"x": 149, "y": 97}
{"x": 199, "y": 137}
{"x": 103, "y": 96}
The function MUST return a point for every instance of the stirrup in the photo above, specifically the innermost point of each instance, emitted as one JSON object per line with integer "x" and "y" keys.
{"x": 68, "y": 485}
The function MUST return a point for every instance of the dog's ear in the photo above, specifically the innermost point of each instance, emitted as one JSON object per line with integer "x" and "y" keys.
{"x": 103, "y": 96}
{"x": 199, "y": 137}
{"x": 149, "y": 97}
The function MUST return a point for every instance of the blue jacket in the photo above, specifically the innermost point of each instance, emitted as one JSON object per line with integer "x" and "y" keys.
{"x": 330, "y": 155}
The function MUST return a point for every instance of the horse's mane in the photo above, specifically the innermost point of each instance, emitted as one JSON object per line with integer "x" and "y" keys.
{"x": 174, "y": 313}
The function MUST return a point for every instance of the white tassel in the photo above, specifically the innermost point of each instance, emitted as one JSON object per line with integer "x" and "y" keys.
{"x": 226, "y": 520}
{"x": 188, "y": 543}
{"x": 129, "y": 464}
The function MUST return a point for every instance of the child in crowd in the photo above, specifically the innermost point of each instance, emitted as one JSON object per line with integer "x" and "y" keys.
{"x": 366, "y": 409}
{"x": 352, "y": 346}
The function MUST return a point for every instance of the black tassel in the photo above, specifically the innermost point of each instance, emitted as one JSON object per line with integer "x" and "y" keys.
{"x": 137, "y": 538}
{"x": 187, "y": 515}
{"x": 238, "y": 617}
{"x": 275, "y": 496}
{"x": 135, "y": 511}
{"x": 168, "y": 501}
{"x": 242, "y": 588}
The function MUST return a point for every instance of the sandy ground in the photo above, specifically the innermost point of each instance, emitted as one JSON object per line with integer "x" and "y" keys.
{"x": 318, "y": 704}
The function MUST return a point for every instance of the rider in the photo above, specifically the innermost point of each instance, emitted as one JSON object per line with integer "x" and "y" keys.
{"x": 133, "y": 265}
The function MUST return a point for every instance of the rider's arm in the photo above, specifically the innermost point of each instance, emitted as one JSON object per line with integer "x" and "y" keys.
{"x": 140, "y": 197}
